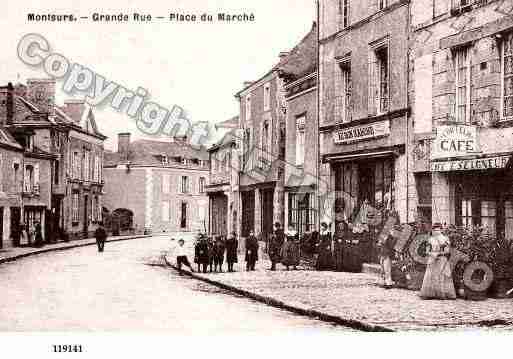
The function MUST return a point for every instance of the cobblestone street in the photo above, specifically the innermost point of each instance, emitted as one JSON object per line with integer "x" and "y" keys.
{"x": 119, "y": 290}
{"x": 358, "y": 296}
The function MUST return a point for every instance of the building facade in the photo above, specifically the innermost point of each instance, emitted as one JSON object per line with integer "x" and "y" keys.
{"x": 261, "y": 180}
{"x": 461, "y": 95}
{"x": 157, "y": 187}
{"x": 364, "y": 114}
{"x": 222, "y": 189}
{"x": 298, "y": 70}
{"x": 52, "y": 173}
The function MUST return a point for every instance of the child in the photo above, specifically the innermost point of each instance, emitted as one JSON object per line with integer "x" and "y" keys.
{"x": 181, "y": 256}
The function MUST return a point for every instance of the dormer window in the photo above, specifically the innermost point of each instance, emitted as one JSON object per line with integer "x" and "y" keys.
{"x": 164, "y": 159}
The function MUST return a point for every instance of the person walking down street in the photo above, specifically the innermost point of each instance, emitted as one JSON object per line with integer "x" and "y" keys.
{"x": 210, "y": 245}
{"x": 38, "y": 235}
{"x": 231, "y": 251}
{"x": 201, "y": 253}
{"x": 181, "y": 256}
{"x": 290, "y": 249}
{"x": 251, "y": 251}
{"x": 338, "y": 245}
{"x": 438, "y": 282}
{"x": 219, "y": 249}
{"x": 277, "y": 240}
{"x": 100, "y": 235}
{"x": 324, "y": 260}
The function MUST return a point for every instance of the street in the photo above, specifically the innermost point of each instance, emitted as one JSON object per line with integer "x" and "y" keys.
{"x": 120, "y": 290}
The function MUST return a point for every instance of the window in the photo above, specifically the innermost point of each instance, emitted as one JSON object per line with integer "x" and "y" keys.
{"x": 166, "y": 179}
{"x": 247, "y": 144}
{"x": 461, "y": 4}
{"x": 76, "y": 165}
{"x": 87, "y": 162}
{"x": 28, "y": 182}
{"x": 346, "y": 91}
{"x": 462, "y": 66}
{"x": 302, "y": 212}
{"x": 378, "y": 79}
{"x": 16, "y": 169}
{"x": 165, "y": 211}
{"x": 164, "y": 159}
{"x": 300, "y": 140}
{"x": 267, "y": 97}
{"x": 248, "y": 107}
{"x": 382, "y": 4}
{"x": 507, "y": 76}
{"x": 1, "y": 175}
{"x": 344, "y": 12}
{"x": 508, "y": 220}
{"x": 74, "y": 207}
{"x": 476, "y": 212}
{"x": 98, "y": 209}
{"x": 97, "y": 169}
{"x": 265, "y": 146}
{"x": 183, "y": 215}
{"x": 185, "y": 184}
{"x": 201, "y": 185}
{"x": 184, "y": 161}
{"x": 56, "y": 172}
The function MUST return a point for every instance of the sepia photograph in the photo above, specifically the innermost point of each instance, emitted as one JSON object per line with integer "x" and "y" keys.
{"x": 274, "y": 171}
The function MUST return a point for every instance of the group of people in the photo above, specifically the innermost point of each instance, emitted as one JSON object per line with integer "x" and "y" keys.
{"x": 211, "y": 252}
{"x": 28, "y": 235}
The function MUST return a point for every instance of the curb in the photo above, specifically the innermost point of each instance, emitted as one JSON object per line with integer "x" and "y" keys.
{"x": 71, "y": 246}
{"x": 351, "y": 323}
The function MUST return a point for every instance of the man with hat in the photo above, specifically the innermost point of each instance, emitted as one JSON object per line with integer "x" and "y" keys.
{"x": 275, "y": 245}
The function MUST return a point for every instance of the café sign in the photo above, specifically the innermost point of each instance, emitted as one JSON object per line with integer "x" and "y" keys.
{"x": 359, "y": 133}
{"x": 455, "y": 141}
{"x": 488, "y": 163}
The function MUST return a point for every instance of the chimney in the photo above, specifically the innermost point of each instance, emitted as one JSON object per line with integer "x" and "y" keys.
{"x": 283, "y": 55}
{"x": 74, "y": 109}
{"x": 6, "y": 104}
{"x": 41, "y": 92}
{"x": 124, "y": 145}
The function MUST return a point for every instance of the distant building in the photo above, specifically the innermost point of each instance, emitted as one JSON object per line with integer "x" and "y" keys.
{"x": 156, "y": 186}
{"x": 60, "y": 181}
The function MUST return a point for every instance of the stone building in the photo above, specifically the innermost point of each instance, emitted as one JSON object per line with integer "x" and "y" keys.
{"x": 298, "y": 70}
{"x": 222, "y": 189}
{"x": 364, "y": 111}
{"x": 157, "y": 186}
{"x": 262, "y": 123}
{"x": 461, "y": 93}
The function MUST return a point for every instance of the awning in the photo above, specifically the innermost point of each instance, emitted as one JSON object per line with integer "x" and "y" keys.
{"x": 341, "y": 157}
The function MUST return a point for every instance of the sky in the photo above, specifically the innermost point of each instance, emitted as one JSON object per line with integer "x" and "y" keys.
{"x": 198, "y": 66}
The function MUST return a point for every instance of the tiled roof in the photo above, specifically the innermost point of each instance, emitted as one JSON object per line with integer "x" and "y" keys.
{"x": 302, "y": 60}
{"x": 148, "y": 153}
{"x": 7, "y": 140}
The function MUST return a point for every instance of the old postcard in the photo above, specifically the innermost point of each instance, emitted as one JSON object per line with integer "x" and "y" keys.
{"x": 256, "y": 167}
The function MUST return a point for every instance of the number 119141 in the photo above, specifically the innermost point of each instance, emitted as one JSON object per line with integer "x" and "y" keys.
{"x": 67, "y": 348}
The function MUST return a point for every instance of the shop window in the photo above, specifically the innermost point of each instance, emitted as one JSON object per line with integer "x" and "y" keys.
{"x": 302, "y": 212}
{"x": 463, "y": 83}
{"x": 300, "y": 140}
{"x": 475, "y": 212}
{"x": 507, "y": 76}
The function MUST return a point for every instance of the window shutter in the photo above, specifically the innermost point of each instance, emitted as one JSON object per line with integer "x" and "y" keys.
{"x": 373, "y": 84}
{"x": 36, "y": 173}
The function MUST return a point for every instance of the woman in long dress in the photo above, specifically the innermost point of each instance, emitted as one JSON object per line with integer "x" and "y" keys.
{"x": 325, "y": 258}
{"x": 290, "y": 249}
{"x": 438, "y": 283}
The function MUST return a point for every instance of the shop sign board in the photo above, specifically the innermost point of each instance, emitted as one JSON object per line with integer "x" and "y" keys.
{"x": 496, "y": 162}
{"x": 455, "y": 141}
{"x": 364, "y": 132}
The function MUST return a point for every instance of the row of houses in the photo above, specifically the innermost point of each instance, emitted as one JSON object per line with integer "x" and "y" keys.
{"x": 51, "y": 164}
{"x": 399, "y": 104}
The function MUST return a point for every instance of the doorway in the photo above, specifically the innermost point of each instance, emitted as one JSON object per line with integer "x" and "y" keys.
{"x": 86, "y": 216}
{"x": 15, "y": 224}
{"x": 267, "y": 213}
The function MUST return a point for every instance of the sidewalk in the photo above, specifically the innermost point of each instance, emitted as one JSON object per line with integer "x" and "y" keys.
{"x": 11, "y": 254}
{"x": 357, "y": 300}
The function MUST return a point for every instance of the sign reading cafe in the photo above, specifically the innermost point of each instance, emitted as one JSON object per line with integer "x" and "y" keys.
{"x": 364, "y": 132}
{"x": 455, "y": 141}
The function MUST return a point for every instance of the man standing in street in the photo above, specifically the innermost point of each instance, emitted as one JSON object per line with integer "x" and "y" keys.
{"x": 231, "y": 250}
{"x": 277, "y": 240}
{"x": 251, "y": 251}
{"x": 101, "y": 235}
